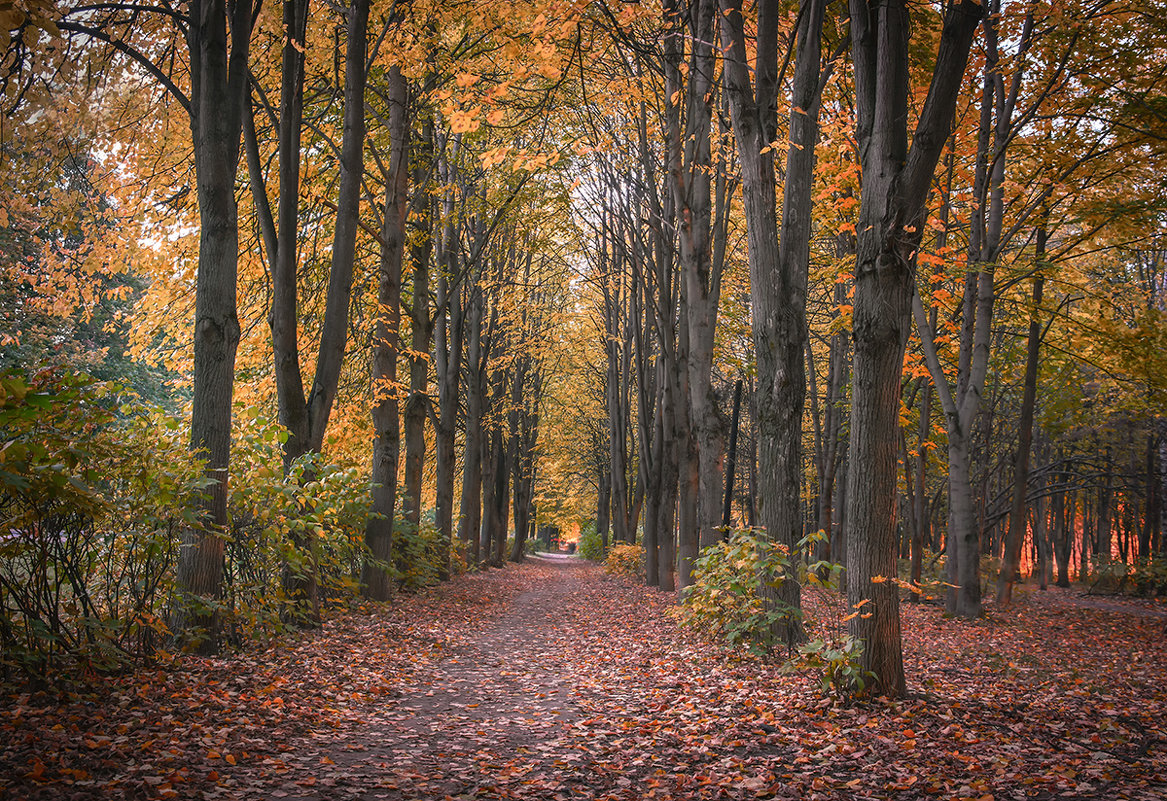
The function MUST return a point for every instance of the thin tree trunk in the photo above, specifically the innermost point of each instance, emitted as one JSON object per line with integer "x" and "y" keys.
{"x": 1011, "y": 564}
{"x": 422, "y": 326}
{"x": 470, "y": 518}
{"x": 375, "y": 578}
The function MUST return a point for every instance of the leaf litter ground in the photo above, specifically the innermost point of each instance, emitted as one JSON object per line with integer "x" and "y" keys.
{"x": 549, "y": 681}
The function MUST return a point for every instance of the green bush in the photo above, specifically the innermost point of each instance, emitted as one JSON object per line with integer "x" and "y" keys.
{"x": 591, "y": 547}
{"x": 838, "y": 663}
{"x": 725, "y": 602}
{"x": 312, "y": 520}
{"x": 625, "y": 561}
{"x": 93, "y": 497}
{"x": 417, "y": 554}
{"x": 724, "y": 599}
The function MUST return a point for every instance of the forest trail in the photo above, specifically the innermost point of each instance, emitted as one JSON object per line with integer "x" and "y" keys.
{"x": 550, "y": 681}
{"x": 492, "y": 713}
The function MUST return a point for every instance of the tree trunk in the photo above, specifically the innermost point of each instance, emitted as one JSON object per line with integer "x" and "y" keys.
{"x": 386, "y": 337}
{"x": 470, "y": 518}
{"x": 448, "y": 363}
{"x": 422, "y": 327}
{"x": 892, "y": 213}
{"x": 778, "y": 264}
{"x": 218, "y": 69}
{"x": 603, "y": 508}
{"x": 1011, "y": 564}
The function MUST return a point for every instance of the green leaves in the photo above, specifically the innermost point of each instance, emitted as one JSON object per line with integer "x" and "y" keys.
{"x": 93, "y": 493}
{"x": 724, "y": 600}
{"x": 838, "y": 663}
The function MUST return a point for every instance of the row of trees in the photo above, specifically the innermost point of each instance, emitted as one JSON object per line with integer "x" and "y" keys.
{"x": 924, "y": 266}
{"x": 523, "y": 254}
{"x": 368, "y": 179}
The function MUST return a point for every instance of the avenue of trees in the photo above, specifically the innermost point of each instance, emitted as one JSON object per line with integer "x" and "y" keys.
{"x": 303, "y": 302}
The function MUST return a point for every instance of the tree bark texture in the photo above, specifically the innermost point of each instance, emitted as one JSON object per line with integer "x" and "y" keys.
{"x": 779, "y": 260}
{"x": 218, "y": 49}
{"x": 896, "y": 181}
{"x": 375, "y": 579}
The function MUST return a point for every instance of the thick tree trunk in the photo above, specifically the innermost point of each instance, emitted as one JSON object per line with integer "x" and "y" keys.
{"x": 614, "y": 493}
{"x": 218, "y": 70}
{"x": 963, "y": 552}
{"x": 778, "y": 263}
{"x": 527, "y": 396}
{"x": 651, "y": 449}
{"x": 896, "y": 181}
{"x": 666, "y": 529}
{"x": 293, "y": 406}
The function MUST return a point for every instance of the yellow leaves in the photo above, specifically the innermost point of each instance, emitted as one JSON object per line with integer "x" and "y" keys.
{"x": 495, "y": 117}
{"x": 465, "y": 121}
{"x": 492, "y": 158}
{"x": 467, "y": 79}
{"x": 533, "y": 162}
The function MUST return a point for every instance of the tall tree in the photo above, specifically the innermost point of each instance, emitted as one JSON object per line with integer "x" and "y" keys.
{"x": 779, "y": 260}
{"x": 896, "y": 180}
{"x": 305, "y": 416}
{"x": 375, "y": 577}
{"x": 218, "y": 37}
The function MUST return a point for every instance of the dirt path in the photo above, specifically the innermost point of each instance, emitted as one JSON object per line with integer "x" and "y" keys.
{"x": 492, "y": 714}
{"x": 552, "y": 682}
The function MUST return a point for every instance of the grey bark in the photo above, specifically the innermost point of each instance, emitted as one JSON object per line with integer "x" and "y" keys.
{"x": 896, "y": 180}
{"x": 422, "y": 329}
{"x": 779, "y": 260}
{"x": 375, "y": 579}
{"x": 1011, "y": 564}
{"x": 218, "y": 41}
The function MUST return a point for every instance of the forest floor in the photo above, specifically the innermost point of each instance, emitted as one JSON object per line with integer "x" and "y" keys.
{"x": 551, "y": 681}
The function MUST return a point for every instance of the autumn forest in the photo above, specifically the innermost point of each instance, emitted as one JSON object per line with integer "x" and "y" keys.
{"x": 427, "y": 399}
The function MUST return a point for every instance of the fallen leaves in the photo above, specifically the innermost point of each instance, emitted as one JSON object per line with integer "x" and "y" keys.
{"x": 549, "y": 681}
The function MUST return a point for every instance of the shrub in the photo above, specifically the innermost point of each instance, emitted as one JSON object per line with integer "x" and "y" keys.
{"x": 1146, "y": 577}
{"x": 724, "y": 601}
{"x": 93, "y": 496}
{"x": 417, "y": 555}
{"x": 625, "y": 561}
{"x": 838, "y": 662}
{"x": 312, "y": 519}
{"x": 591, "y": 547}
